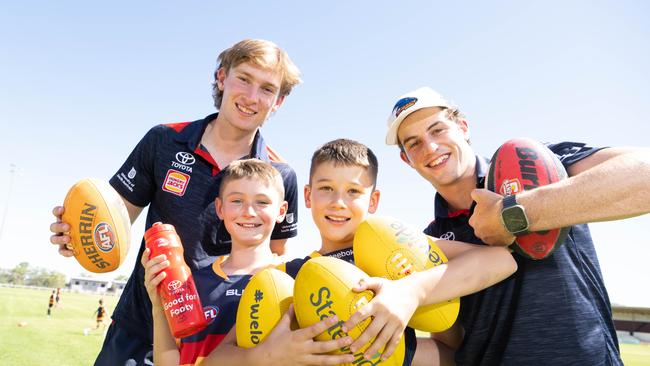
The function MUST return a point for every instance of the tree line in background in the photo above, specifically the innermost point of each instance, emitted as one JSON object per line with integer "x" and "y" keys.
{"x": 23, "y": 274}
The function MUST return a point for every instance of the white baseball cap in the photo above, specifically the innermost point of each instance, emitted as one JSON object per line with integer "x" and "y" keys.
{"x": 408, "y": 103}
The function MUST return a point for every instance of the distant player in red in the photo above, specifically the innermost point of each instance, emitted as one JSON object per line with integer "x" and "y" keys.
{"x": 51, "y": 304}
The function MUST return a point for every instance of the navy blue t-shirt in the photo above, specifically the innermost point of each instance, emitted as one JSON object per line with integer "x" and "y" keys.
{"x": 171, "y": 172}
{"x": 554, "y": 311}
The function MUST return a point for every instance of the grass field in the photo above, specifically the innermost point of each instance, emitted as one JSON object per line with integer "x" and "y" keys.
{"x": 59, "y": 339}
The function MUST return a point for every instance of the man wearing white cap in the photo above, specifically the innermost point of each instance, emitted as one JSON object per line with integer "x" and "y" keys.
{"x": 552, "y": 311}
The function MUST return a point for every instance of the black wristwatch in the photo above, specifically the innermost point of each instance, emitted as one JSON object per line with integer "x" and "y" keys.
{"x": 514, "y": 216}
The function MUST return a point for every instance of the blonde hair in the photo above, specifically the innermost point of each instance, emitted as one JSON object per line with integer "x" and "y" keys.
{"x": 344, "y": 152}
{"x": 253, "y": 169}
{"x": 262, "y": 53}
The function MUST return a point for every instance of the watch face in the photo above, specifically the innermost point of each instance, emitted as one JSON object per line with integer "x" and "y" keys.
{"x": 515, "y": 219}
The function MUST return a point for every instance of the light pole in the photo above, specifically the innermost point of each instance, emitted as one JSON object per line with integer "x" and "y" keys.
{"x": 12, "y": 172}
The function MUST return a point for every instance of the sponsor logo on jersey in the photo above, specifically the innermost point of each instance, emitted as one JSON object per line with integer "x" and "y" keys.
{"x": 183, "y": 160}
{"x": 104, "y": 237}
{"x": 449, "y": 235}
{"x": 176, "y": 182}
{"x": 210, "y": 312}
{"x": 289, "y": 218}
{"x": 132, "y": 173}
{"x": 234, "y": 292}
{"x": 403, "y": 104}
{"x": 510, "y": 187}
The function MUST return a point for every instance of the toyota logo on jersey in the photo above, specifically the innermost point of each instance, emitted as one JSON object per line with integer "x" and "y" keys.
{"x": 185, "y": 158}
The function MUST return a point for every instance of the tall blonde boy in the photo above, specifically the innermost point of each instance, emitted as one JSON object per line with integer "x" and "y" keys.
{"x": 250, "y": 203}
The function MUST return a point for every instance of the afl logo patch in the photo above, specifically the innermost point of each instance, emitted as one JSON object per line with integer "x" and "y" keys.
{"x": 403, "y": 104}
{"x": 210, "y": 313}
{"x": 175, "y": 182}
{"x": 104, "y": 237}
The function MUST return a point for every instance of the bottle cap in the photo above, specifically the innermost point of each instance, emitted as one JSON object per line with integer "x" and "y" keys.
{"x": 158, "y": 227}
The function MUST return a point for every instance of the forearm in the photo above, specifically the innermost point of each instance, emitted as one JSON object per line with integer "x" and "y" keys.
{"x": 232, "y": 355}
{"x": 614, "y": 189}
{"x": 431, "y": 352}
{"x": 469, "y": 272}
{"x": 165, "y": 349}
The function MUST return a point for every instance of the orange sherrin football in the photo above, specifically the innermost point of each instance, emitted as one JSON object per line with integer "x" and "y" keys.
{"x": 100, "y": 228}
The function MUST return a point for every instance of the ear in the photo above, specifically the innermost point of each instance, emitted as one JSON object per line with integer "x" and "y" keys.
{"x": 464, "y": 126}
{"x": 220, "y": 76}
{"x": 405, "y": 158}
{"x": 374, "y": 201}
{"x": 278, "y": 103}
{"x": 307, "y": 193}
{"x": 218, "y": 205}
{"x": 284, "y": 207}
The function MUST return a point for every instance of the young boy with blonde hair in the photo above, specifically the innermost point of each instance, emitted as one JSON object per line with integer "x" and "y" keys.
{"x": 250, "y": 203}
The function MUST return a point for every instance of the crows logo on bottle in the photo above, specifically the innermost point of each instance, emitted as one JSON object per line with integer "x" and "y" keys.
{"x": 104, "y": 237}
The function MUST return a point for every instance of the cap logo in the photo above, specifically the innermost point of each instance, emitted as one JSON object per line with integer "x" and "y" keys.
{"x": 403, "y": 104}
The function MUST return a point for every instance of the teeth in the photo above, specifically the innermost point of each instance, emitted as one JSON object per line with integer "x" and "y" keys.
{"x": 249, "y": 225}
{"x": 337, "y": 219}
{"x": 440, "y": 160}
{"x": 245, "y": 110}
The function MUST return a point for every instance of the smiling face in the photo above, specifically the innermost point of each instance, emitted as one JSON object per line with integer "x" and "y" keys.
{"x": 340, "y": 198}
{"x": 437, "y": 147}
{"x": 250, "y": 95}
{"x": 250, "y": 208}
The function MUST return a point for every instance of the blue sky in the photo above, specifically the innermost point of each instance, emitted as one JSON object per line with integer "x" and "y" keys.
{"x": 81, "y": 83}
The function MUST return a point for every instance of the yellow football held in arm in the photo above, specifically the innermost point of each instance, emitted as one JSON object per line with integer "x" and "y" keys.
{"x": 323, "y": 288}
{"x": 389, "y": 248}
{"x": 266, "y": 298}
{"x": 100, "y": 228}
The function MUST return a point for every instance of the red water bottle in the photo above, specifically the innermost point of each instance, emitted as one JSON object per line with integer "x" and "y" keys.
{"x": 177, "y": 290}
